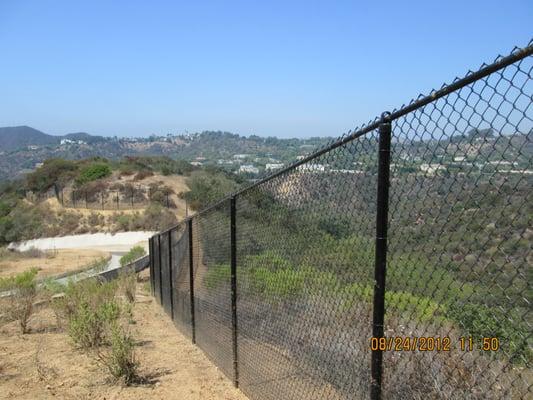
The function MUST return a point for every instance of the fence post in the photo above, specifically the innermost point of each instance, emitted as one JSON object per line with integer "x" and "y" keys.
{"x": 170, "y": 274}
{"x": 191, "y": 280}
{"x": 380, "y": 266}
{"x": 151, "y": 254}
{"x": 160, "y": 273}
{"x": 234, "y": 290}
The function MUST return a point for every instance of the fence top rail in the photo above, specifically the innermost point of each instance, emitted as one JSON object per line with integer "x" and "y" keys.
{"x": 485, "y": 70}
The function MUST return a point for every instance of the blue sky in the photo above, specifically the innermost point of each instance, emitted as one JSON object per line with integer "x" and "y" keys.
{"x": 272, "y": 68}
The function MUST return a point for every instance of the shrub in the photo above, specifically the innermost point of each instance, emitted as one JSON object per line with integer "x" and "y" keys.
{"x": 92, "y": 172}
{"x": 142, "y": 175}
{"x": 89, "y": 307}
{"x": 23, "y": 293}
{"x": 88, "y": 324}
{"x": 120, "y": 358}
{"x": 132, "y": 255}
{"x": 127, "y": 283}
{"x": 54, "y": 170}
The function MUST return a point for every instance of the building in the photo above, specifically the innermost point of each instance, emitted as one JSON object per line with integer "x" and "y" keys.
{"x": 273, "y": 167}
{"x": 250, "y": 169}
{"x": 241, "y": 156}
{"x": 196, "y": 163}
{"x": 312, "y": 167}
{"x": 431, "y": 169}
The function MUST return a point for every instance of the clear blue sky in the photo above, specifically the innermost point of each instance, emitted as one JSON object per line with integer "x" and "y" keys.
{"x": 280, "y": 68}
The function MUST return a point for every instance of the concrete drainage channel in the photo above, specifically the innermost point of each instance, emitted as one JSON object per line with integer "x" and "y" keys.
{"x": 117, "y": 245}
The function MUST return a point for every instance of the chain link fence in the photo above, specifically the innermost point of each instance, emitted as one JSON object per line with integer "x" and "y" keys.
{"x": 394, "y": 263}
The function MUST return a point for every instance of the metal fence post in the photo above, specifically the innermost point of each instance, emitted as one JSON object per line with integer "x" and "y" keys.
{"x": 160, "y": 269}
{"x": 151, "y": 253}
{"x": 234, "y": 290}
{"x": 191, "y": 280}
{"x": 170, "y": 274}
{"x": 380, "y": 266}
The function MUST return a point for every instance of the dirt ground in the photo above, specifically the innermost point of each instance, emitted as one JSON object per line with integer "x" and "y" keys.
{"x": 54, "y": 263}
{"x": 175, "y": 182}
{"x": 44, "y": 365}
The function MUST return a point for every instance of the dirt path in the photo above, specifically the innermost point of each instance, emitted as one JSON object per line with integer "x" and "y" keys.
{"x": 44, "y": 365}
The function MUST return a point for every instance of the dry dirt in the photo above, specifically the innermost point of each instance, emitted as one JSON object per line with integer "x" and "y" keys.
{"x": 44, "y": 365}
{"x": 56, "y": 262}
{"x": 175, "y": 182}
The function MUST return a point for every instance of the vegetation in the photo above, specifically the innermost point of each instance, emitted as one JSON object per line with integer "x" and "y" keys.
{"x": 23, "y": 288}
{"x": 120, "y": 359}
{"x": 95, "y": 318}
{"x": 133, "y": 254}
{"x": 208, "y": 186}
{"x": 93, "y": 172}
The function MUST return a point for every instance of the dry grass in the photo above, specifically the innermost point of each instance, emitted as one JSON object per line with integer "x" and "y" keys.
{"x": 48, "y": 263}
{"x": 44, "y": 364}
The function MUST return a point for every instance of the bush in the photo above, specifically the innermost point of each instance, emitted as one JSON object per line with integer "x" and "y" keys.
{"x": 93, "y": 172}
{"x": 88, "y": 325}
{"x": 132, "y": 255}
{"x": 90, "y": 308}
{"x": 20, "y": 303}
{"x": 142, "y": 175}
{"x": 120, "y": 359}
{"x": 54, "y": 170}
{"x": 127, "y": 283}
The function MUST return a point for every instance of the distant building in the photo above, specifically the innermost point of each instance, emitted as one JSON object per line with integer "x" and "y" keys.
{"x": 273, "y": 167}
{"x": 241, "y": 156}
{"x": 196, "y": 163}
{"x": 431, "y": 169}
{"x": 459, "y": 159}
{"x": 33, "y": 147}
{"x": 38, "y": 165}
{"x": 69, "y": 141}
{"x": 312, "y": 168}
{"x": 248, "y": 169}
{"x": 300, "y": 158}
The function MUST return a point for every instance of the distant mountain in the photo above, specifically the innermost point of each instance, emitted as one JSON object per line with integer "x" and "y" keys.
{"x": 20, "y": 137}
{"x": 16, "y": 137}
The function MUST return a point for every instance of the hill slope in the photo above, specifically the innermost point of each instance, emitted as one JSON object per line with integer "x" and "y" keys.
{"x": 16, "y": 137}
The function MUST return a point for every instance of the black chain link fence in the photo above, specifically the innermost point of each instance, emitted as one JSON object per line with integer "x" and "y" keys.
{"x": 394, "y": 263}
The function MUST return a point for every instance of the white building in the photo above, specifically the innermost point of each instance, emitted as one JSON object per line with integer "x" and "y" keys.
{"x": 196, "y": 163}
{"x": 249, "y": 169}
{"x": 273, "y": 167}
{"x": 431, "y": 169}
{"x": 241, "y": 156}
{"x": 312, "y": 168}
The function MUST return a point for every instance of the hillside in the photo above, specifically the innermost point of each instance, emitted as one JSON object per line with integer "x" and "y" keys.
{"x": 17, "y": 137}
{"x": 93, "y": 195}
{"x": 21, "y": 152}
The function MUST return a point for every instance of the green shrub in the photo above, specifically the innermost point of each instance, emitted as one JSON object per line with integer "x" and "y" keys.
{"x": 88, "y": 325}
{"x": 135, "y": 253}
{"x": 120, "y": 358}
{"x": 89, "y": 308}
{"x": 93, "y": 172}
{"x": 478, "y": 321}
{"x": 19, "y": 305}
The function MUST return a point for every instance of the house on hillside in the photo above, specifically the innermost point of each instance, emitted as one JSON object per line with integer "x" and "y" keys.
{"x": 273, "y": 167}
{"x": 250, "y": 169}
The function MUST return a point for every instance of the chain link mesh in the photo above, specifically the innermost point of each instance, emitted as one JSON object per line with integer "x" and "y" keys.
{"x": 458, "y": 288}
